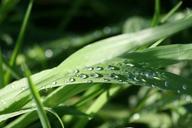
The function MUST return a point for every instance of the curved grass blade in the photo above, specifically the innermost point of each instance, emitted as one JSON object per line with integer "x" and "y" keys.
{"x": 36, "y": 96}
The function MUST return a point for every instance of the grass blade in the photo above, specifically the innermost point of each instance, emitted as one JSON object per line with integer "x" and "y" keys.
{"x": 171, "y": 12}
{"x": 42, "y": 114}
{"x": 156, "y": 16}
{"x": 1, "y": 70}
{"x": 19, "y": 40}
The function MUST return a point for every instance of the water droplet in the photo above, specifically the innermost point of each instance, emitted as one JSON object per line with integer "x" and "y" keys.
{"x": 184, "y": 87}
{"x": 120, "y": 80}
{"x": 72, "y": 79}
{"x": 89, "y": 81}
{"x": 54, "y": 83}
{"x": 83, "y": 76}
{"x": 143, "y": 80}
{"x": 76, "y": 71}
{"x": 166, "y": 84}
{"x": 23, "y": 89}
{"x": 110, "y": 67}
{"x": 129, "y": 64}
{"x": 178, "y": 91}
{"x": 136, "y": 79}
{"x": 96, "y": 75}
{"x": 107, "y": 80}
{"x": 114, "y": 76}
{"x": 89, "y": 68}
{"x": 157, "y": 78}
{"x": 99, "y": 68}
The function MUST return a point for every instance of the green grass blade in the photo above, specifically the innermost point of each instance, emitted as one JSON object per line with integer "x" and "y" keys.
{"x": 14, "y": 114}
{"x": 156, "y": 16}
{"x": 171, "y": 12}
{"x": 97, "y": 105}
{"x": 1, "y": 70}
{"x": 19, "y": 40}
{"x": 57, "y": 116}
{"x": 42, "y": 114}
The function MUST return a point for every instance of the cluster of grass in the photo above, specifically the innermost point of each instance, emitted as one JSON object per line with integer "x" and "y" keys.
{"x": 133, "y": 73}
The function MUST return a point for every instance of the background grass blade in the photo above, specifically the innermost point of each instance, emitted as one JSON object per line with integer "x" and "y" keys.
{"x": 19, "y": 40}
{"x": 42, "y": 114}
{"x": 156, "y": 16}
{"x": 171, "y": 12}
{"x": 1, "y": 70}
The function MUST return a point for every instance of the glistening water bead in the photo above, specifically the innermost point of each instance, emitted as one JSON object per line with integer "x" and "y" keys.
{"x": 96, "y": 75}
{"x": 98, "y": 68}
{"x": 110, "y": 67}
{"x": 72, "y": 79}
{"x": 83, "y": 76}
{"x": 89, "y": 68}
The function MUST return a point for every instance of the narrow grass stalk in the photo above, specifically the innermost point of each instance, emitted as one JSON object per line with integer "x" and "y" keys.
{"x": 164, "y": 19}
{"x": 97, "y": 105}
{"x": 1, "y": 70}
{"x": 11, "y": 70}
{"x": 36, "y": 96}
{"x": 156, "y": 15}
{"x": 57, "y": 116}
{"x": 171, "y": 12}
{"x": 19, "y": 40}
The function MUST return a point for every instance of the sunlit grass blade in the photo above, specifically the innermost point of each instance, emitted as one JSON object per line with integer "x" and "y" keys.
{"x": 19, "y": 40}
{"x": 41, "y": 112}
{"x": 1, "y": 70}
{"x": 97, "y": 105}
{"x": 171, "y": 12}
{"x": 156, "y": 16}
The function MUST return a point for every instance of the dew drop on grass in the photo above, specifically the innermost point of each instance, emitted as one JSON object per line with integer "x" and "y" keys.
{"x": 184, "y": 87}
{"x": 54, "y": 83}
{"x": 72, "y": 79}
{"x": 178, "y": 91}
{"x": 76, "y": 71}
{"x": 114, "y": 76}
{"x": 83, "y": 76}
{"x": 89, "y": 68}
{"x": 107, "y": 80}
{"x": 99, "y": 68}
{"x": 96, "y": 75}
{"x": 89, "y": 81}
{"x": 110, "y": 67}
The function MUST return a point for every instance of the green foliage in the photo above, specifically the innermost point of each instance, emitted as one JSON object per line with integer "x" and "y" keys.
{"x": 85, "y": 85}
